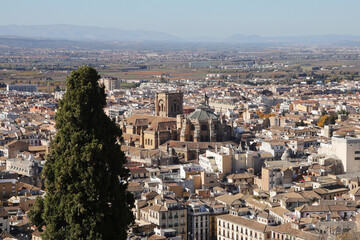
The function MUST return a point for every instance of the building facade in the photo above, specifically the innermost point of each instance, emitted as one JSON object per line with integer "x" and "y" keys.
{"x": 168, "y": 104}
{"x": 203, "y": 125}
{"x": 232, "y": 227}
{"x": 347, "y": 149}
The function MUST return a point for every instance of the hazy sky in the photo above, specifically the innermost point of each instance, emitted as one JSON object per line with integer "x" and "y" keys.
{"x": 193, "y": 18}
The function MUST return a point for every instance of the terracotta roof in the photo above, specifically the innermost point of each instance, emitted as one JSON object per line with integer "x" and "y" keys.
{"x": 323, "y": 208}
{"x": 36, "y": 233}
{"x": 280, "y": 211}
{"x": 147, "y": 119}
{"x": 241, "y": 175}
{"x": 229, "y": 199}
{"x": 252, "y": 224}
{"x": 135, "y": 170}
{"x": 37, "y": 148}
{"x": 158, "y": 208}
{"x": 287, "y": 229}
{"x": 194, "y": 145}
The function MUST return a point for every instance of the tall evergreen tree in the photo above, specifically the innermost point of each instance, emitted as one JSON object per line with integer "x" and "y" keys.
{"x": 84, "y": 175}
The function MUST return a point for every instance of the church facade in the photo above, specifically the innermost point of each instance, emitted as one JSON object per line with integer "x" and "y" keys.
{"x": 203, "y": 125}
{"x": 169, "y": 123}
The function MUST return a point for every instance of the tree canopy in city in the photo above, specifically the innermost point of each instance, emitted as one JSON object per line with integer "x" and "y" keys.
{"x": 85, "y": 180}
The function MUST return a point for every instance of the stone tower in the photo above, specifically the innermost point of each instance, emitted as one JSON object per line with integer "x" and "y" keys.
{"x": 168, "y": 104}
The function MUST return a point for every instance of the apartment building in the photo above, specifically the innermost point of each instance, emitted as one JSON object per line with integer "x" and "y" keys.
{"x": 275, "y": 176}
{"x": 9, "y": 188}
{"x": 22, "y": 87}
{"x": 276, "y": 148}
{"x": 232, "y": 227}
{"x": 201, "y": 220}
{"x": 166, "y": 213}
{"x": 347, "y": 149}
{"x": 216, "y": 161}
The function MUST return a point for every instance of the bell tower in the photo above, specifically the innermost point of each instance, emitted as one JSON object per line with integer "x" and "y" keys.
{"x": 168, "y": 104}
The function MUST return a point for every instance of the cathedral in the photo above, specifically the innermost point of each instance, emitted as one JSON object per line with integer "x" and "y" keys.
{"x": 169, "y": 123}
{"x": 202, "y": 125}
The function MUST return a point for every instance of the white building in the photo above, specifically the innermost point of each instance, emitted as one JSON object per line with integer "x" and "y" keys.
{"x": 22, "y": 87}
{"x": 217, "y": 161}
{"x": 189, "y": 168}
{"x": 232, "y": 227}
{"x": 347, "y": 149}
{"x": 276, "y": 148}
{"x": 27, "y": 167}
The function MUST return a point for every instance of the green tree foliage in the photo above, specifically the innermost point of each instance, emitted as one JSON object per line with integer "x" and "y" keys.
{"x": 84, "y": 175}
{"x": 57, "y": 88}
{"x": 327, "y": 119}
{"x": 36, "y": 211}
{"x": 331, "y": 119}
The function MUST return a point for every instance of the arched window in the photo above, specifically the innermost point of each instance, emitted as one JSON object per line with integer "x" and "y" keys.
{"x": 204, "y": 127}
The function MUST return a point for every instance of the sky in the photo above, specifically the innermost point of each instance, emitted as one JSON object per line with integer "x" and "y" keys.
{"x": 193, "y": 18}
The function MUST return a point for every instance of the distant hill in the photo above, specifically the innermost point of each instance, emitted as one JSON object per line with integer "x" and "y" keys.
{"x": 14, "y": 41}
{"x": 294, "y": 39}
{"x": 70, "y": 32}
{"x": 70, "y": 36}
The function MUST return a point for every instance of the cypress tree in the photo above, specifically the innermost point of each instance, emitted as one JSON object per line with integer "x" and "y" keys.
{"x": 85, "y": 180}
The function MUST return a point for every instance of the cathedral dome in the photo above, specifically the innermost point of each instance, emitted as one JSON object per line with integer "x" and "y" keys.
{"x": 203, "y": 113}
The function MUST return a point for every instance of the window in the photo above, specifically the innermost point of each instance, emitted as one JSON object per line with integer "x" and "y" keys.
{"x": 357, "y": 152}
{"x": 357, "y": 158}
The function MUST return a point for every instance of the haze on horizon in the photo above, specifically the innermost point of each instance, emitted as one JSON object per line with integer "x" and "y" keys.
{"x": 194, "y": 19}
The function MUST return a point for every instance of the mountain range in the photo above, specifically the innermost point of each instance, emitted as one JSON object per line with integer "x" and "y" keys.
{"x": 83, "y": 33}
